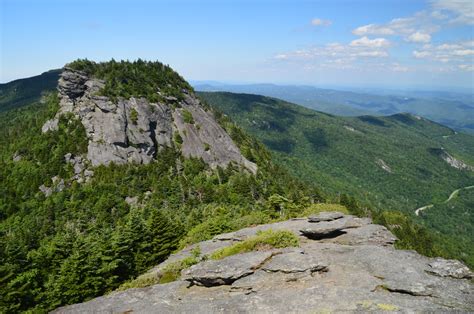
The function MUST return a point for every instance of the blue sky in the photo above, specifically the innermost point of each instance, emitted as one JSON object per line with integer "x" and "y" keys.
{"x": 398, "y": 44}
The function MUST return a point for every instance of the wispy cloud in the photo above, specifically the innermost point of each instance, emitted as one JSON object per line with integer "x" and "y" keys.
{"x": 371, "y": 50}
{"x": 361, "y": 54}
{"x": 460, "y": 53}
{"x": 320, "y": 22}
{"x": 417, "y": 28}
{"x": 419, "y": 37}
{"x": 370, "y": 43}
{"x": 460, "y": 11}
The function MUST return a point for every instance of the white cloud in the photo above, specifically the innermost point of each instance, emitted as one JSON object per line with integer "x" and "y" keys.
{"x": 417, "y": 28}
{"x": 419, "y": 37}
{"x": 334, "y": 51}
{"x": 462, "y": 11}
{"x": 466, "y": 67}
{"x": 438, "y": 15}
{"x": 399, "y": 68}
{"x": 320, "y": 22}
{"x": 421, "y": 54}
{"x": 372, "y": 29}
{"x": 463, "y": 52}
{"x": 371, "y": 43}
{"x": 455, "y": 53}
{"x": 281, "y": 56}
{"x": 375, "y": 53}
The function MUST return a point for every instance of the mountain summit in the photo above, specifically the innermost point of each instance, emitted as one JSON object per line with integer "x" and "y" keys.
{"x": 123, "y": 125}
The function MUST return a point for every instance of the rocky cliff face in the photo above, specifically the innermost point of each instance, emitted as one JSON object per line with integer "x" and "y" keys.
{"x": 343, "y": 264}
{"x": 135, "y": 130}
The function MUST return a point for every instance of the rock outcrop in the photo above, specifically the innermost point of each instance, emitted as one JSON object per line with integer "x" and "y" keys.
{"x": 455, "y": 163}
{"x": 355, "y": 270}
{"x": 135, "y": 130}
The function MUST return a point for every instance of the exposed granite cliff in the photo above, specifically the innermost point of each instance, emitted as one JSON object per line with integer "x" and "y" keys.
{"x": 136, "y": 130}
{"x": 343, "y": 264}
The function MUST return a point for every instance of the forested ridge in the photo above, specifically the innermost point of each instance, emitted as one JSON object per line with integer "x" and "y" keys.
{"x": 89, "y": 238}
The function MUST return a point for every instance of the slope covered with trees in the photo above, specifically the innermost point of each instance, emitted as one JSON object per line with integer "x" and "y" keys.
{"x": 393, "y": 162}
{"x": 23, "y": 92}
{"x": 86, "y": 239}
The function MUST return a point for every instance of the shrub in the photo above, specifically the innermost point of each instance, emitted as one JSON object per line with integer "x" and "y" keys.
{"x": 187, "y": 117}
{"x": 134, "y": 116}
{"x": 170, "y": 272}
{"x": 177, "y": 138}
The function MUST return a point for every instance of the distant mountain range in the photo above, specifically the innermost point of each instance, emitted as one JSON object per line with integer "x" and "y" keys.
{"x": 455, "y": 110}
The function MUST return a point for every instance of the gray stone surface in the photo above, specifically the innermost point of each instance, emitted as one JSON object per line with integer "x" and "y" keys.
{"x": 225, "y": 271}
{"x": 135, "y": 130}
{"x": 17, "y": 157}
{"x": 359, "y": 271}
{"x": 50, "y": 125}
{"x": 325, "y": 216}
{"x": 449, "y": 268}
{"x": 58, "y": 185}
{"x": 295, "y": 262}
{"x": 329, "y": 229}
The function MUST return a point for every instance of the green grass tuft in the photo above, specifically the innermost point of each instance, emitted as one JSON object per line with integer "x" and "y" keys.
{"x": 263, "y": 239}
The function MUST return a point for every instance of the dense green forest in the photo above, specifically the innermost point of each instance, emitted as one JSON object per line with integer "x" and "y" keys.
{"x": 386, "y": 162}
{"x": 138, "y": 78}
{"x": 88, "y": 239}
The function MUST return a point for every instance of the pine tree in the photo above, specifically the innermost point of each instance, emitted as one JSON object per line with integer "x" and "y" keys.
{"x": 163, "y": 236}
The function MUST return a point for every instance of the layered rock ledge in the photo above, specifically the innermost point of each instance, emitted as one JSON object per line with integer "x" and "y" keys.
{"x": 356, "y": 269}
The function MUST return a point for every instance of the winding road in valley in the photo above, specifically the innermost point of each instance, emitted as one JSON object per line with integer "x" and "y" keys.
{"x": 451, "y": 196}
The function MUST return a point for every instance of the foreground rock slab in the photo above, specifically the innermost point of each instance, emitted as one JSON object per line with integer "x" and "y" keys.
{"x": 357, "y": 271}
{"x": 225, "y": 271}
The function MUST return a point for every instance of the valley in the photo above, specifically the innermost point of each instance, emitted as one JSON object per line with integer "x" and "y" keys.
{"x": 396, "y": 162}
{"x": 451, "y": 196}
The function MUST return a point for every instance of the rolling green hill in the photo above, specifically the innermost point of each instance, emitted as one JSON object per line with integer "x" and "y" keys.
{"x": 393, "y": 162}
{"x": 455, "y": 110}
{"x": 23, "y": 92}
